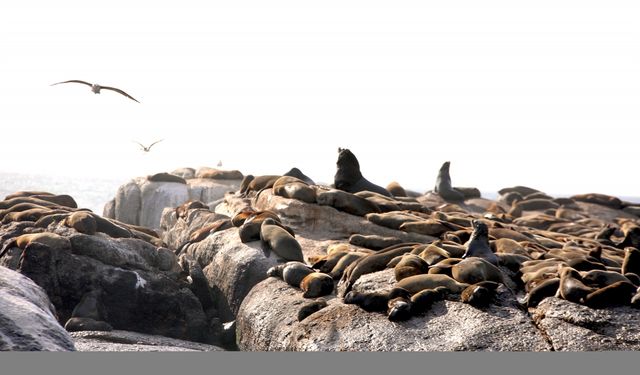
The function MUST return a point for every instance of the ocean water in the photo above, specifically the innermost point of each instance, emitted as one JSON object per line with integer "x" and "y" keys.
{"x": 89, "y": 192}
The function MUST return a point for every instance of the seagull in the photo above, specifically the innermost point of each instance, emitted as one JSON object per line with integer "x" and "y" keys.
{"x": 220, "y": 163}
{"x": 148, "y": 148}
{"x": 96, "y": 88}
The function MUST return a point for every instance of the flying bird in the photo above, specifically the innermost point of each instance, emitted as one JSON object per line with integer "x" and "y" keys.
{"x": 96, "y": 88}
{"x": 147, "y": 148}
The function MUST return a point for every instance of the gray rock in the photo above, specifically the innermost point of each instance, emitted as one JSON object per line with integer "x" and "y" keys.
{"x": 186, "y": 173}
{"x": 574, "y": 327}
{"x": 125, "y": 341}
{"x": 27, "y": 317}
{"x": 158, "y": 195}
{"x": 128, "y": 203}
{"x": 109, "y": 209}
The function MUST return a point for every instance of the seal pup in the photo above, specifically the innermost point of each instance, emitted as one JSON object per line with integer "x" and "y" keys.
{"x": 479, "y": 294}
{"x": 349, "y": 178}
{"x": 571, "y": 287}
{"x": 316, "y": 284}
{"x": 443, "y": 185}
{"x": 616, "y": 294}
{"x": 478, "y": 245}
{"x": 424, "y": 299}
{"x": 399, "y": 305}
{"x": 291, "y": 272}
{"x": 96, "y": 88}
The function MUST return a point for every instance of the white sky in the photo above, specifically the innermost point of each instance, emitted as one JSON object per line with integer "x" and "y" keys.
{"x": 544, "y": 95}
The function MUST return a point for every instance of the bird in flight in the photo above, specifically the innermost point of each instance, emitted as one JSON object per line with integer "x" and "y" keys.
{"x": 96, "y": 88}
{"x": 147, "y": 148}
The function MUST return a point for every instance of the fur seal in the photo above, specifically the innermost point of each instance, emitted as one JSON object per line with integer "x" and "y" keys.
{"x": 251, "y": 183}
{"x": 204, "y": 232}
{"x": 396, "y": 189}
{"x": 392, "y": 220}
{"x": 424, "y": 299}
{"x": 571, "y": 287}
{"x": 434, "y": 254}
{"x": 547, "y": 288}
{"x": 88, "y": 315}
{"x": 616, "y": 294}
{"x": 310, "y": 308}
{"x": 316, "y": 284}
{"x": 347, "y": 202}
{"x": 373, "y": 241}
{"x": 429, "y": 227}
{"x": 250, "y": 228}
{"x": 522, "y": 190}
{"x": 25, "y": 193}
{"x": 181, "y": 210}
{"x": 399, "y": 305}
{"x": 479, "y": 294}
{"x": 410, "y": 265}
{"x": 295, "y": 172}
{"x": 631, "y": 262}
{"x": 474, "y": 270}
{"x": 166, "y": 177}
{"x": 82, "y": 221}
{"x": 33, "y": 214}
{"x": 478, "y": 245}
{"x": 274, "y": 237}
{"x": 48, "y": 239}
{"x": 291, "y": 272}
{"x": 369, "y": 302}
{"x": 294, "y": 188}
{"x": 601, "y": 199}
{"x": 415, "y": 284}
{"x": 373, "y": 263}
{"x": 338, "y": 270}
{"x": 349, "y": 178}
{"x": 386, "y": 204}
{"x": 239, "y": 218}
{"x": 536, "y": 204}
{"x": 219, "y": 174}
{"x": 443, "y": 185}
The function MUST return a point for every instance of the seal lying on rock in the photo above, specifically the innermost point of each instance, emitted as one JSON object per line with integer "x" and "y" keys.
{"x": 291, "y": 272}
{"x": 349, "y": 178}
{"x": 274, "y": 237}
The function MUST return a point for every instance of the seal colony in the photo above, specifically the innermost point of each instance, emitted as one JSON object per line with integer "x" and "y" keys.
{"x": 446, "y": 246}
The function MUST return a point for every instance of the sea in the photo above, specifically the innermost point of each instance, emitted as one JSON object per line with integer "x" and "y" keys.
{"x": 89, "y": 192}
{"x": 94, "y": 192}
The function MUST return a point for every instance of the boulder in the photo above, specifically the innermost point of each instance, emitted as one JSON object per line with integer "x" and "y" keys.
{"x": 27, "y": 317}
{"x": 124, "y": 341}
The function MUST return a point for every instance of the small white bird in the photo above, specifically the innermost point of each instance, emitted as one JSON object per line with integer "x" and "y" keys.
{"x": 220, "y": 164}
{"x": 147, "y": 148}
{"x": 96, "y": 88}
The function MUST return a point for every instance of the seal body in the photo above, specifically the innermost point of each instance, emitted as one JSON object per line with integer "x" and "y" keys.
{"x": 349, "y": 178}
{"x": 443, "y": 185}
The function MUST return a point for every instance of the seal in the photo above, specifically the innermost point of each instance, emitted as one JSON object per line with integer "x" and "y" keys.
{"x": 338, "y": 270}
{"x": 399, "y": 305}
{"x": 48, "y": 239}
{"x": 25, "y": 193}
{"x": 417, "y": 283}
{"x": 631, "y": 262}
{"x": 295, "y": 172}
{"x": 347, "y": 202}
{"x": 251, "y": 183}
{"x": 310, "y": 308}
{"x": 291, "y": 272}
{"x": 396, "y": 189}
{"x": 478, "y": 245}
{"x": 32, "y": 214}
{"x": 274, "y": 237}
{"x": 166, "y": 177}
{"x": 250, "y": 228}
{"x": 369, "y": 302}
{"x": 181, "y": 210}
{"x": 479, "y": 294}
{"x": 410, "y": 265}
{"x": 219, "y": 174}
{"x": 316, "y": 284}
{"x": 294, "y": 188}
{"x": 392, "y": 220}
{"x": 443, "y": 185}
{"x": 424, "y": 299}
{"x": 325, "y": 263}
{"x": 474, "y": 270}
{"x": 349, "y": 178}
{"x": 547, "y": 288}
{"x": 204, "y": 232}
{"x": 82, "y": 221}
{"x": 434, "y": 254}
{"x": 444, "y": 267}
{"x": 616, "y": 294}
{"x": 571, "y": 286}
{"x": 373, "y": 263}
{"x": 522, "y": 190}
{"x": 373, "y": 241}
{"x": 239, "y": 218}
{"x": 386, "y": 204}
{"x": 88, "y": 315}
{"x": 429, "y": 227}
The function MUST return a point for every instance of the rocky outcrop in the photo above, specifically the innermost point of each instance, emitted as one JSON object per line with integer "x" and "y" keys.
{"x": 124, "y": 341}
{"x": 27, "y": 317}
{"x": 141, "y": 202}
{"x": 112, "y": 283}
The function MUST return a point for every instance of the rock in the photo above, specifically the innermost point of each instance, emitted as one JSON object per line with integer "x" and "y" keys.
{"x": 186, "y": 173}
{"x": 109, "y": 209}
{"x": 158, "y": 195}
{"x": 342, "y": 327}
{"x": 573, "y": 327}
{"x": 27, "y": 317}
{"x": 128, "y": 203}
{"x": 125, "y": 341}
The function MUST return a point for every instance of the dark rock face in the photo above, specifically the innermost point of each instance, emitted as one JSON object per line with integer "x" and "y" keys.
{"x": 142, "y": 288}
{"x": 27, "y": 317}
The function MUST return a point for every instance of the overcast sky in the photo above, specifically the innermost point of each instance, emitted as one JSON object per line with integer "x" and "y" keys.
{"x": 545, "y": 95}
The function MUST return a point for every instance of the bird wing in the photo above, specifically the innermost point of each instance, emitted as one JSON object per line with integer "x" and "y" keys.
{"x": 119, "y": 91}
{"x": 141, "y": 145}
{"x": 73, "y": 81}
{"x": 151, "y": 145}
